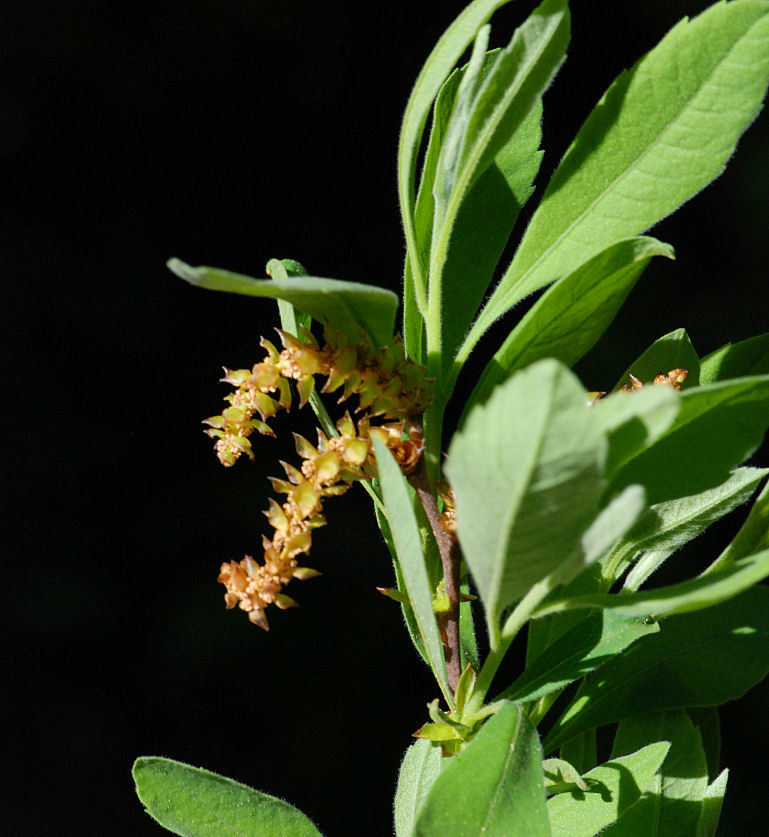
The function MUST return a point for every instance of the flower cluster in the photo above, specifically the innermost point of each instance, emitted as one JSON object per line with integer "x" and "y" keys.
{"x": 674, "y": 378}
{"x": 387, "y": 384}
{"x": 390, "y": 389}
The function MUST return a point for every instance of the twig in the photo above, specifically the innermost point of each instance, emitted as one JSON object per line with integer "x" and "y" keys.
{"x": 448, "y": 547}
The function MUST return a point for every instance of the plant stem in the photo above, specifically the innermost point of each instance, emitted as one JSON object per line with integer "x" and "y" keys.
{"x": 451, "y": 560}
{"x": 517, "y": 619}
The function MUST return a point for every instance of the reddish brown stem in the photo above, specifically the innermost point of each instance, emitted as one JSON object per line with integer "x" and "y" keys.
{"x": 451, "y": 560}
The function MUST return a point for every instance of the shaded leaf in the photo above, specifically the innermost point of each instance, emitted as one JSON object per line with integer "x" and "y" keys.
{"x": 666, "y": 527}
{"x": 711, "y": 806}
{"x": 590, "y": 643}
{"x": 674, "y": 668}
{"x": 346, "y": 306}
{"x": 615, "y": 786}
{"x": 737, "y": 360}
{"x": 694, "y": 594}
{"x": 717, "y": 427}
{"x": 683, "y": 779}
{"x": 571, "y": 315}
{"x": 753, "y": 535}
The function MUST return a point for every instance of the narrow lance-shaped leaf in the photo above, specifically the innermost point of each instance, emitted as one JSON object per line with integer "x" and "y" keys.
{"x": 752, "y": 537}
{"x": 193, "y": 802}
{"x": 347, "y": 306}
{"x": 589, "y": 644}
{"x": 408, "y": 546}
{"x": 419, "y": 770}
{"x": 674, "y": 668}
{"x": 493, "y": 786}
{"x": 615, "y": 786}
{"x": 662, "y": 132}
{"x": 694, "y": 594}
{"x": 566, "y": 322}
{"x": 666, "y": 527}
{"x": 434, "y": 73}
{"x": 526, "y": 474}
{"x": 511, "y": 89}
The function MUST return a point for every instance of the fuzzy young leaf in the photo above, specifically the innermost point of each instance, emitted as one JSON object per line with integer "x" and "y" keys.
{"x": 526, "y": 474}
{"x": 493, "y": 786}
{"x": 737, "y": 360}
{"x": 568, "y": 319}
{"x": 666, "y": 527}
{"x": 616, "y": 786}
{"x": 589, "y": 644}
{"x": 193, "y": 802}
{"x": 483, "y": 225}
{"x": 676, "y": 807}
{"x": 752, "y": 537}
{"x": 347, "y": 306}
{"x": 282, "y": 269}
{"x": 674, "y": 668}
{"x": 695, "y": 594}
{"x": 434, "y": 73}
{"x": 408, "y": 546}
{"x": 662, "y": 132}
{"x": 419, "y": 770}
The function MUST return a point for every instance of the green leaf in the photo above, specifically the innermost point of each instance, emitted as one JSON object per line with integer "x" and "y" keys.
{"x": 666, "y": 527}
{"x": 674, "y": 668}
{"x": 434, "y": 73}
{"x": 705, "y": 719}
{"x": 616, "y": 786}
{"x": 675, "y": 808}
{"x": 419, "y": 770}
{"x": 347, "y": 306}
{"x": 485, "y": 117}
{"x": 493, "y": 786}
{"x": 406, "y": 609}
{"x": 661, "y": 133}
{"x": 482, "y": 228}
{"x": 408, "y": 546}
{"x": 695, "y": 594}
{"x": 748, "y": 357}
{"x": 711, "y": 806}
{"x": 194, "y": 802}
{"x": 566, "y": 322}
{"x": 526, "y": 474}
{"x": 589, "y": 644}
{"x": 633, "y": 423}
{"x": 718, "y": 426}
{"x": 519, "y": 77}
{"x": 752, "y": 537}
{"x": 285, "y": 269}
{"x": 561, "y": 776}
{"x": 671, "y": 351}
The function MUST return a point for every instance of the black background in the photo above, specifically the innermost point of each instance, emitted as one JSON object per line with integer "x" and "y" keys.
{"x": 228, "y": 133}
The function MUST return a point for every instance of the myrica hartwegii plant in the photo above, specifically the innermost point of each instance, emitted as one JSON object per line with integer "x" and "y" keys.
{"x": 553, "y": 506}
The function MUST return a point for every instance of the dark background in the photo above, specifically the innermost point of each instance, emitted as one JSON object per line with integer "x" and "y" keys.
{"x": 228, "y": 133}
